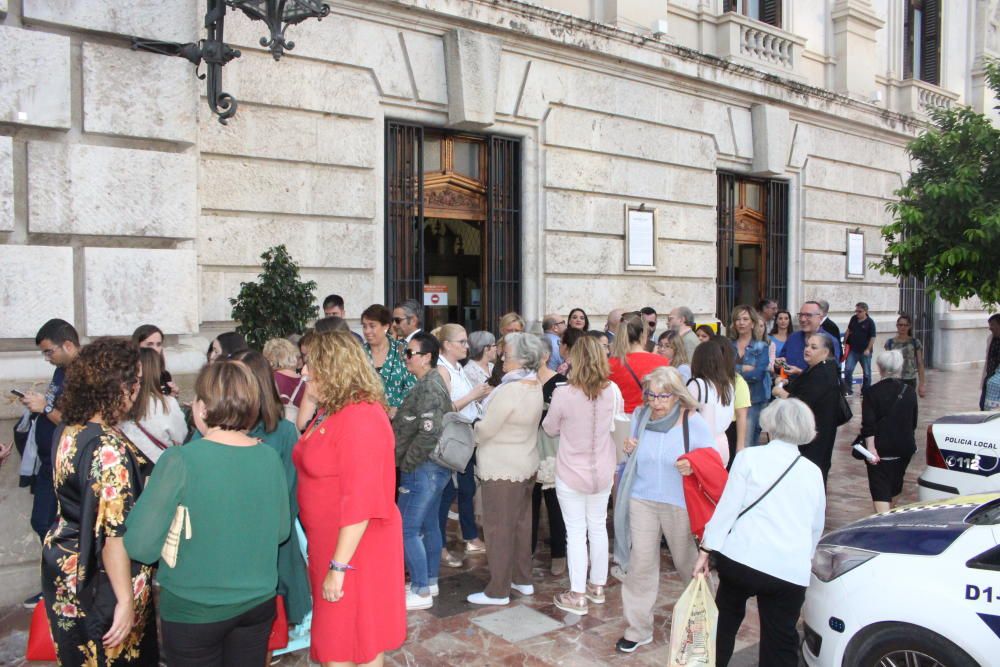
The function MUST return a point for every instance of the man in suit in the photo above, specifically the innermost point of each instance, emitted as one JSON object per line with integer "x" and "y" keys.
{"x": 828, "y": 325}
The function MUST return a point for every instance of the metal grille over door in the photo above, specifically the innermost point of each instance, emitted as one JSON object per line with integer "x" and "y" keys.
{"x": 725, "y": 297}
{"x": 915, "y": 301}
{"x": 777, "y": 243}
{"x": 404, "y": 197}
{"x": 503, "y": 231}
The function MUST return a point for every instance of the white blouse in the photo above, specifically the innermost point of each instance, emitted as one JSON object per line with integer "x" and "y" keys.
{"x": 165, "y": 423}
{"x": 461, "y": 385}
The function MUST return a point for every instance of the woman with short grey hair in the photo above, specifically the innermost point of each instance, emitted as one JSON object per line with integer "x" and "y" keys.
{"x": 763, "y": 534}
{"x": 482, "y": 354}
{"x": 888, "y": 420}
{"x": 506, "y": 462}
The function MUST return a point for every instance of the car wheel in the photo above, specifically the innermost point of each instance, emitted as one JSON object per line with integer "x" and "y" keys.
{"x": 899, "y": 645}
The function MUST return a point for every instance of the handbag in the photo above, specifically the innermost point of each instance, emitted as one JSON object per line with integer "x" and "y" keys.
{"x": 844, "y": 412}
{"x": 40, "y": 645}
{"x": 172, "y": 545}
{"x": 457, "y": 444}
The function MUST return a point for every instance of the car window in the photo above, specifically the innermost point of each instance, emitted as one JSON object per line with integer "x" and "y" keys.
{"x": 987, "y": 514}
{"x": 988, "y": 560}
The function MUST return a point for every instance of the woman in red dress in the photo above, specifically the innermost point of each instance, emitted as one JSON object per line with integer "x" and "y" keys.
{"x": 347, "y": 477}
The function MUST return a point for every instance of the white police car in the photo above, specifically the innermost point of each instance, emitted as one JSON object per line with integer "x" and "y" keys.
{"x": 963, "y": 456}
{"x": 917, "y": 586}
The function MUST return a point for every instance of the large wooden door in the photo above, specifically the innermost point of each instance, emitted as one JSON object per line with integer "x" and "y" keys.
{"x": 453, "y": 214}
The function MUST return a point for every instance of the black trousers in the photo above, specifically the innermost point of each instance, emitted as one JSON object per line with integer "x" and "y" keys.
{"x": 235, "y": 642}
{"x": 557, "y": 528}
{"x": 779, "y": 603}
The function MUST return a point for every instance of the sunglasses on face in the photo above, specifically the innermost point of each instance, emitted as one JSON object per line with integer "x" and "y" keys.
{"x": 410, "y": 353}
{"x": 399, "y": 320}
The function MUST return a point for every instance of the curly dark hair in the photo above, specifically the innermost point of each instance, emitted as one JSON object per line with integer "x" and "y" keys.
{"x": 99, "y": 381}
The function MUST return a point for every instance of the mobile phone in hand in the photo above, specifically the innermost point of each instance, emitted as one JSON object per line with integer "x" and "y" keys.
{"x": 17, "y": 393}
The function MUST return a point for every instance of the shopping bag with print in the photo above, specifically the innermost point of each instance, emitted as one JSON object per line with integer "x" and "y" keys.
{"x": 40, "y": 646}
{"x": 692, "y": 629}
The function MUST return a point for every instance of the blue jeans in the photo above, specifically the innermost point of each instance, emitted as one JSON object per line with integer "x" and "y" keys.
{"x": 419, "y": 496}
{"x": 753, "y": 423}
{"x": 866, "y": 370}
{"x": 466, "y": 491}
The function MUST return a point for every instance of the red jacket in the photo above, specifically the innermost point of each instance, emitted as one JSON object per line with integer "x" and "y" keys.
{"x": 703, "y": 487}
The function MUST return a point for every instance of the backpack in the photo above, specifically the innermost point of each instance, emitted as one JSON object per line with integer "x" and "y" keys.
{"x": 457, "y": 443}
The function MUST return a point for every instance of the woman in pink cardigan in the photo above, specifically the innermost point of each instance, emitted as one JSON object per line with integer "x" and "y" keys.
{"x": 582, "y": 416}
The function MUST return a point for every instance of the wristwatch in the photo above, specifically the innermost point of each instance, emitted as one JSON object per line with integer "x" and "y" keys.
{"x": 48, "y": 409}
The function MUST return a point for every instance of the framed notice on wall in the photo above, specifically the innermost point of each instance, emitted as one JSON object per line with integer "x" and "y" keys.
{"x": 640, "y": 238}
{"x": 855, "y": 254}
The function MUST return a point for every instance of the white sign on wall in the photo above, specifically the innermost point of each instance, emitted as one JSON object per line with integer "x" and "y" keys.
{"x": 640, "y": 239}
{"x": 435, "y": 295}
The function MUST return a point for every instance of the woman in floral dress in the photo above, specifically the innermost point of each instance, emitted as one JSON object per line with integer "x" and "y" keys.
{"x": 99, "y": 603}
{"x": 386, "y": 355}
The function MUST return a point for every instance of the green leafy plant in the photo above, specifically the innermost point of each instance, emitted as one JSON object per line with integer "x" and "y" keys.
{"x": 946, "y": 224}
{"x": 278, "y": 304}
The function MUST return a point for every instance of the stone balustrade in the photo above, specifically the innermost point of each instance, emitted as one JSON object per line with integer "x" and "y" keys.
{"x": 917, "y": 98}
{"x": 760, "y": 45}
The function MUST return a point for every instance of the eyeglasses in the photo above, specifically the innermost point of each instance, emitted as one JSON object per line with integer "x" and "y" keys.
{"x": 410, "y": 353}
{"x": 808, "y": 315}
{"x": 49, "y": 352}
{"x": 398, "y": 320}
{"x": 655, "y": 397}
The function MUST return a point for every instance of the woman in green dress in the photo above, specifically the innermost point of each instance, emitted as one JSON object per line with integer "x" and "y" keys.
{"x": 386, "y": 355}
{"x": 99, "y": 603}
{"x": 281, "y": 435}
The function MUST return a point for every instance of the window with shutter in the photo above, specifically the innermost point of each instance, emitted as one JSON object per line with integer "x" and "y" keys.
{"x": 765, "y": 11}
{"x": 922, "y": 42}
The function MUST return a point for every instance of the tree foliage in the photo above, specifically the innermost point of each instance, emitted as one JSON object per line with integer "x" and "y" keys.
{"x": 278, "y": 304}
{"x": 946, "y": 224}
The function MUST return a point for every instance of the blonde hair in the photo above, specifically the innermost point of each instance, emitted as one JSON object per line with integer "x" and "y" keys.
{"x": 281, "y": 354}
{"x": 588, "y": 367}
{"x": 446, "y": 332}
{"x": 676, "y": 343}
{"x": 632, "y": 329}
{"x": 669, "y": 378}
{"x": 340, "y": 372}
{"x": 755, "y": 321}
{"x": 511, "y": 318}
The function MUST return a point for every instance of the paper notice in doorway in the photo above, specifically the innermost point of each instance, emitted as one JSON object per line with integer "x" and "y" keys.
{"x": 435, "y": 295}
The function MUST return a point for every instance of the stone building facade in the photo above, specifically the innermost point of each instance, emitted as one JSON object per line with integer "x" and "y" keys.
{"x": 759, "y": 132}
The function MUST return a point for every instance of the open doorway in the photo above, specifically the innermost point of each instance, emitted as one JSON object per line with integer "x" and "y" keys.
{"x": 453, "y": 258}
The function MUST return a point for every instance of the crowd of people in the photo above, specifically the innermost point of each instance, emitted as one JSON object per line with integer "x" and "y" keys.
{"x": 339, "y": 433}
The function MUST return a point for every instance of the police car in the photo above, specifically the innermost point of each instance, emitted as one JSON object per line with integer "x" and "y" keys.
{"x": 916, "y": 586}
{"x": 963, "y": 456}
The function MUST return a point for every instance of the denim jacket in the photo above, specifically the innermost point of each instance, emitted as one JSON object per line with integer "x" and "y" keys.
{"x": 757, "y": 355}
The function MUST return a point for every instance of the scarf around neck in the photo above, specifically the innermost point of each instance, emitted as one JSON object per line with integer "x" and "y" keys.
{"x": 513, "y": 376}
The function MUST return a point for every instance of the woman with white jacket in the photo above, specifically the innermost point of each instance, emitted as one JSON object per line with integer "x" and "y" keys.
{"x": 157, "y": 421}
{"x": 763, "y": 534}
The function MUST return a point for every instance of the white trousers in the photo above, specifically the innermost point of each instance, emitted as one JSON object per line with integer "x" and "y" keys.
{"x": 585, "y": 516}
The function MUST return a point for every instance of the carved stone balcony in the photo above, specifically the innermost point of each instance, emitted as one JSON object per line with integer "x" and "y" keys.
{"x": 748, "y": 42}
{"x": 916, "y": 98}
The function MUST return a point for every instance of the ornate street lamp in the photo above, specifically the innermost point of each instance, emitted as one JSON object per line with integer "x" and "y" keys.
{"x": 277, "y": 14}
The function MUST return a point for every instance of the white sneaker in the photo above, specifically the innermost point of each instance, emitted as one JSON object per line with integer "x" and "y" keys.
{"x": 434, "y": 589}
{"x": 483, "y": 598}
{"x": 523, "y": 589}
{"x": 415, "y": 601}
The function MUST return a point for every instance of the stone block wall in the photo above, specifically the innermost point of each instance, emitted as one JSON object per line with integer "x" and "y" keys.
{"x": 98, "y": 196}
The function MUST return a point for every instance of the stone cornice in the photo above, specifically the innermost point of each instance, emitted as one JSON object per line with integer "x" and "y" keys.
{"x": 556, "y": 29}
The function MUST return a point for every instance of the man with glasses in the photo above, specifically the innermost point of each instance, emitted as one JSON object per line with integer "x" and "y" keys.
{"x": 553, "y": 326}
{"x": 59, "y": 343}
{"x": 860, "y": 338}
{"x": 406, "y": 319}
{"x": 810, "y": 317}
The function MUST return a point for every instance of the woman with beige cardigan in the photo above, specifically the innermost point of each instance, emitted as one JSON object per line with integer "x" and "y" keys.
{"x": 506, "y": 462}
